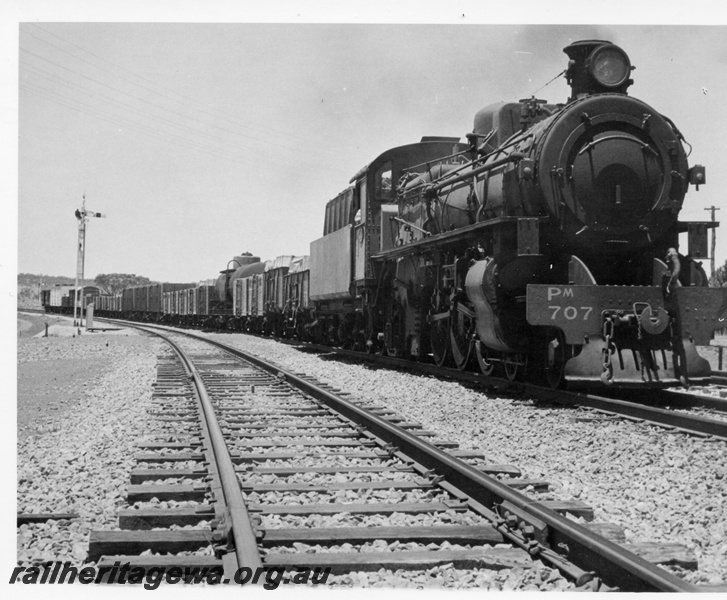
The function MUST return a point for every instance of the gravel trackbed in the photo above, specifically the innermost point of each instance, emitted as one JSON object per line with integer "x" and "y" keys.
{"x": 82, "y": 405}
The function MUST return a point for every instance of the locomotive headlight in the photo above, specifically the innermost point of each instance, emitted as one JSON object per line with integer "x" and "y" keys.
{"x": 609, "y": 65}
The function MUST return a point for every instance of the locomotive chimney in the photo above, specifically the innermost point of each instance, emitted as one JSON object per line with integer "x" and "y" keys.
{"x": 597, "y": 67}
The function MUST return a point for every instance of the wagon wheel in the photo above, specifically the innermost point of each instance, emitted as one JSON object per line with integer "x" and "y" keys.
{"x": 370, "y": 332}
{"x": 315, "y": 332}
{"x": 359, "y": 341}
{"x": 278, "y": 327}
{"x": 555, "y": 360}
{"x": 515, "y": 364}
{"x": 439, "y": 341}
{"x": 383, "y": 349}
{"x": 487, "y": 365}
{"x": 342, "y": 334}
{"x": 461, "y": 340}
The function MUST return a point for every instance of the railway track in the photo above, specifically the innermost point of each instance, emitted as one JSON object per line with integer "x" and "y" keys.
{"x": 660, "y": 407}
{"x": 314, "y": 467}
{"x": 719, "y": 378}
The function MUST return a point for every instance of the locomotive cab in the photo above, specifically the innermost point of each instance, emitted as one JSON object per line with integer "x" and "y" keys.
{"x": 361, "y": 223}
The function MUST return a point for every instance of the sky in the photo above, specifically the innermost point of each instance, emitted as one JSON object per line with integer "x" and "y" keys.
{"x": 200, "y": 141}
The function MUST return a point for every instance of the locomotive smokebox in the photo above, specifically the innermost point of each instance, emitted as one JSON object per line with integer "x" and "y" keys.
{"x": 597, "y": 67}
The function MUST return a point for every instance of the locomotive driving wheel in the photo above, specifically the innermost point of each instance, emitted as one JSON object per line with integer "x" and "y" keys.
{"x": 484, "y": 360}
{"x": 515, "y": 364}
{"x": 460, "y": 333}
{"x": 439, "y": 340}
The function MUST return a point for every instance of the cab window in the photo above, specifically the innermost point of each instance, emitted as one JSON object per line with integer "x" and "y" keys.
{"x": 383, "y": 186}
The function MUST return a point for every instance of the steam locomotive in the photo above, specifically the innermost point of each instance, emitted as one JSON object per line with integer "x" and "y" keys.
{"x": 546, "y": 246}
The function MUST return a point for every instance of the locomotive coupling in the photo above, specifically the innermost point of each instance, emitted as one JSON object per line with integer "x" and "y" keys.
{"x": 653, "y": 321}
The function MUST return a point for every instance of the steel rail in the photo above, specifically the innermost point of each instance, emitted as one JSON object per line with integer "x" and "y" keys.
{"x": 718, "y": 378}
{"x": 243, "y": 534}
{"x": 672, "y": 397}
{"x": 693, "y": 424}
{"x": 589, "y": 551}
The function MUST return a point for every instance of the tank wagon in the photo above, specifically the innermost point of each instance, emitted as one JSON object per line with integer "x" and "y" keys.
{"x": 546, "y": 246}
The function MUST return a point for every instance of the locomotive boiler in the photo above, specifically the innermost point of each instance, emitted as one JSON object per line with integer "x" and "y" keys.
{"x": 554, "y": 247}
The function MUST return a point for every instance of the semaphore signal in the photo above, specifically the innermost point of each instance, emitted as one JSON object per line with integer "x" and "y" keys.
{"x": 82, "y": 216}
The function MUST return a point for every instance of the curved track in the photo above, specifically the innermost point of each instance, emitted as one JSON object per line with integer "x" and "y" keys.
{"x": 272, "y": 414}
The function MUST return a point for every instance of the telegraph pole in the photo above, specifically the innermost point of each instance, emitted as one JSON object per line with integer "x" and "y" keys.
{"x": 714, "y": 238}
{"x": 82, "y": 216}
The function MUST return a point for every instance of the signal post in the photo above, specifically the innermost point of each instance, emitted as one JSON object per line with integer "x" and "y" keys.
{"x": 82, "y": 215}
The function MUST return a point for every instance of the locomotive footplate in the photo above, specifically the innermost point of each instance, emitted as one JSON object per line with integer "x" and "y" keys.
{"x": 630, "y": 333}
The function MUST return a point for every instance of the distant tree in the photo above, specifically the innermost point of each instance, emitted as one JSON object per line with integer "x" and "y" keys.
{"x": 113, "y": 283}
{"x": 28, "y": 296}
{"x": 720, "y": 277}
{"x": 45, "y": 281}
